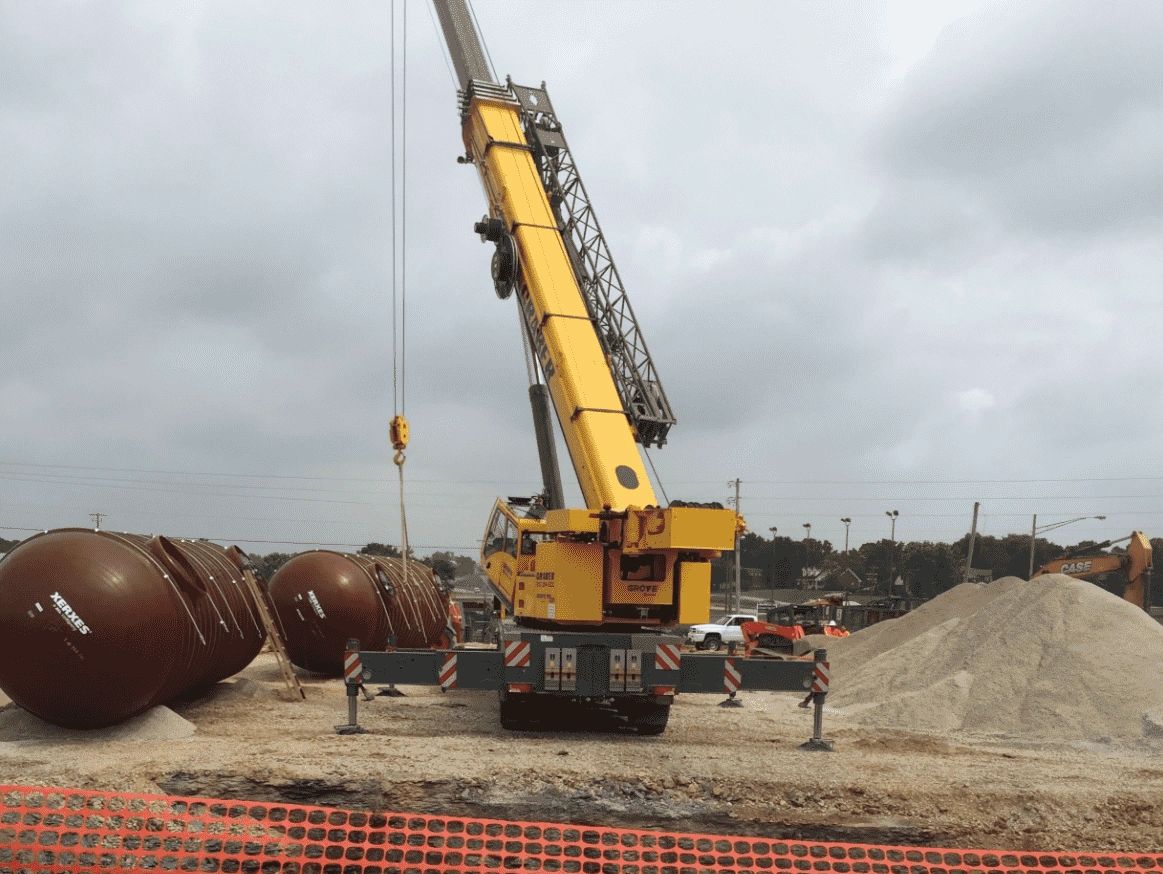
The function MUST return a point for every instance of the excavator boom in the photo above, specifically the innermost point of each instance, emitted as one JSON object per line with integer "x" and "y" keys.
{"x": 1134, "y": 564}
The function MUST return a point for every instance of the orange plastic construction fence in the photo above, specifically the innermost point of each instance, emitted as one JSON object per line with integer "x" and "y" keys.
{"x": 73, "y": 830}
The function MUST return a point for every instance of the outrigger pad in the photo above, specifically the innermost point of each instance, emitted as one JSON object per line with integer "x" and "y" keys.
{"x": 822, "y": 745}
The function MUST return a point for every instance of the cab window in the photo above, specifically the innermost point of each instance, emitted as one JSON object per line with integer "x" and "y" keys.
{"x": 529, "y": 541}
{"x": 502, "y": 536}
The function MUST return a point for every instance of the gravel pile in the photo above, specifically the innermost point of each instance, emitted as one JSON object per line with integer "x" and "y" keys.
{"x": 156, "y": 724}
{"x": 1052, "y": 658}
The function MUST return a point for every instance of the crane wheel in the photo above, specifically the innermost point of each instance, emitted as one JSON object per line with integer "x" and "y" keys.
{"x": 645, "y": 718}
{"x": 518, "y": 712}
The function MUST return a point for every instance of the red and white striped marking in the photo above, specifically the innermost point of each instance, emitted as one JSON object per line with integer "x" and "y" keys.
{"x": 821, "y": 677}
{"x": 518, "y": 653}
{"x": 732, "y": 678}
{"x": 352, "y": 668}
{"x": 447, "y": 675}
{"x": 666, "y": 657}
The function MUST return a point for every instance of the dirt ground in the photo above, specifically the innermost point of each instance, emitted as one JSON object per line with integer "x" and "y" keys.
{"x": 714, "y": 770}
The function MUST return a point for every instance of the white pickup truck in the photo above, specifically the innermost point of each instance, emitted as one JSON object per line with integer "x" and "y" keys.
{"x": 716, "y": 635}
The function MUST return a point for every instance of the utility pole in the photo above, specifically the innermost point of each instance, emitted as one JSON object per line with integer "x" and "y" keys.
{"x": 737, "y": 594}
{"x": 97, "y": 517}
{"x": 847, "y": 521}
{"x": 773, "y": 529}
{"x": 972, "y": 540}
{"x": 892, "y": 514}
{"x": 1033, "y": 538}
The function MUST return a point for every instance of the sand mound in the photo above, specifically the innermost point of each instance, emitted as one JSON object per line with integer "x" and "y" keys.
{"x": 1052, "y": 658}
{"x": 157, "y": 723}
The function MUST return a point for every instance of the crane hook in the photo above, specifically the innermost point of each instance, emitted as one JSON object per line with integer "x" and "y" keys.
{"x": 398, "y": 432}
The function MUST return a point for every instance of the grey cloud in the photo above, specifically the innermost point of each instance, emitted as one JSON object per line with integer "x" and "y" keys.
{"x": 195, "y": 246}
{"x": 1049, "y": 116}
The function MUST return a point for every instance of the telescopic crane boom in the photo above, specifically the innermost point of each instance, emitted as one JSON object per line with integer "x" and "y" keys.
{"x": 623, "y": 559}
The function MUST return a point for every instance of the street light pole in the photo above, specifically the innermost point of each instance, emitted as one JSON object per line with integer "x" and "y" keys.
{"x": 847, "y": 521}
{"x": 738, "y": 570}
{"x": 1035, "y": 528}
{"x": 773, "y": 529}
{"x": 807, "y": 545}
{"x": 1033, "y": 540}
{"x": 892, "y": 515}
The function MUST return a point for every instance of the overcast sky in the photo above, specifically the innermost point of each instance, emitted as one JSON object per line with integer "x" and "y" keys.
{"x": 886, "y": 257}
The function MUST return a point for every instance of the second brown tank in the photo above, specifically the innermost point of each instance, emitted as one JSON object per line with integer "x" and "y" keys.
{"x": 324, "y": 598}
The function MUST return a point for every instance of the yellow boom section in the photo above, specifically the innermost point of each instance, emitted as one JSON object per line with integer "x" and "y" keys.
{"x": 599, "y": 436}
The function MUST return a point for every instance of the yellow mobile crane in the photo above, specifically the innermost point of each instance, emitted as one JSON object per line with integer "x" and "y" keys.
{"x": 588, "y": 593}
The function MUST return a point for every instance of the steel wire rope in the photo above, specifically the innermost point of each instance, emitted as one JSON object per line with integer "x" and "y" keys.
{"x": 657, "y": 478}
{"x": 399, "y": 335}
{"x": 443, "y": 48}
{"x": 481, "y": 37}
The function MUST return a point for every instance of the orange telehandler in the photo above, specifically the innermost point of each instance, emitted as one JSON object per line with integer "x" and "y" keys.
{"x": 1135, "y": 564}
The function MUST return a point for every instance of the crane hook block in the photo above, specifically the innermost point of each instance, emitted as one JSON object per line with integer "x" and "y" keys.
{"x": 398, "y": 431}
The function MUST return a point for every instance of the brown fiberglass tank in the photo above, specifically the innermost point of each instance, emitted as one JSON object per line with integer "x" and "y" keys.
{"x": 323, "y": 598}
{"x": 97, "y": 626}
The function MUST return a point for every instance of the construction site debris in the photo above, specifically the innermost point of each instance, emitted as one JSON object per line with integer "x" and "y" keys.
{"x": 1054, "y": 658}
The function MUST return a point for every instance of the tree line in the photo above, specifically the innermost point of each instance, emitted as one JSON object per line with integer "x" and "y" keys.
{"x": 446, "y": 565}
{"x": 925, "y": 568}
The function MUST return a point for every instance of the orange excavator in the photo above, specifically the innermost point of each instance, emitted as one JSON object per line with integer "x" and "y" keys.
{"x": 1135, "y": 564}
{"x": 787, "y": 623}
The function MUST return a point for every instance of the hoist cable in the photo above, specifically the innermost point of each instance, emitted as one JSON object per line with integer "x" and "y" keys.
{"x": 530, "y": 363}
{"x": 392, "y": 196}
{"x": 657, "y": 478}
{"x": 404, "y": 211}
{"x": 481, "y": 38}
{"x": 399, "y": 264}
{"x": 443, "y": 47}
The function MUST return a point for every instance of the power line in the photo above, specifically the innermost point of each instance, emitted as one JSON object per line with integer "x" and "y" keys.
{"x": 843, "y": 498}
{"x": 879, "y": 482}
{"x": 437, "y": 546}
{"x": 250, "y": 475}
{"x": 182, "y": 492}
{"x": 318, "y": 478}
